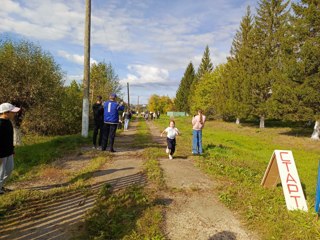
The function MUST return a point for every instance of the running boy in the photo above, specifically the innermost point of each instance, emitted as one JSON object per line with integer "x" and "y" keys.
{"x": 7, "y": 113}
{"x": 172, "y": 132}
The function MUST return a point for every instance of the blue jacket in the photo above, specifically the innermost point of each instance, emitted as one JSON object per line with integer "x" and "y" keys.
{"x": 111, "y": 112}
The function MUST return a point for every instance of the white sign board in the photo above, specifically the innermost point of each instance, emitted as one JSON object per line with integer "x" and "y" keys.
{"x": 282, "y": 167}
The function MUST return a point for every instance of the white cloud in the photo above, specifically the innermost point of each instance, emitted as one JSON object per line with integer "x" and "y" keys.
{"x": 49, "y": 20}
{"x": 69, "y": 78}
{"x": 142, "y": 74}
{"x": 79, "y": 59}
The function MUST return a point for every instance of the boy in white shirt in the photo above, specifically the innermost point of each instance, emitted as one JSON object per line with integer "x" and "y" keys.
{"x": 172, "y": 132}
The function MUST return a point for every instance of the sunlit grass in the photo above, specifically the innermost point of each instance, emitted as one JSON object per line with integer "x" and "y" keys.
{"x": 238, "y": 156}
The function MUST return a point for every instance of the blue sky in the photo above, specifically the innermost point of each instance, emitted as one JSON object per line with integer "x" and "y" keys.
{"x": 148, "y": 42}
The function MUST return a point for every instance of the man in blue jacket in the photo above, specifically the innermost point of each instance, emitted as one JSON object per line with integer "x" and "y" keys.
{"x": 111, "y": 120}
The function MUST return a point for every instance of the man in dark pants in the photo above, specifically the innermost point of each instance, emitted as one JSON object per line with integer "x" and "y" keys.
{"x": 97, "y": 109}
{"x": 111, "y": 120}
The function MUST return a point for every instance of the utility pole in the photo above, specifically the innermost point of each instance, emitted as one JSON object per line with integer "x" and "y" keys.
{"x": 138, "y": 105}
{"x": 128, "y": 95}
{"x": 86, "y": 71}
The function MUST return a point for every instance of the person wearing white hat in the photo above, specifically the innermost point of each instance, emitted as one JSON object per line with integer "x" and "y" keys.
{"x": 7, "y": 113}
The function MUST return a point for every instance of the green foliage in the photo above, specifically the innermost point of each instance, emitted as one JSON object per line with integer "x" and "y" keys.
{"x": 268, "y": 34}
{"x": 30, "y": 79}
{"x": 28, "y": 75}
{"x": 183, "y": 91}
{"x": 306, "y": 42}
{"x": 103, "y": 81}
{"x": 160, "y": 103}
{"x": 235, "y": 97}
{"x": 60, "y": 116}
{"x": 205, "y": 67}
{"x": 206, "y": 93}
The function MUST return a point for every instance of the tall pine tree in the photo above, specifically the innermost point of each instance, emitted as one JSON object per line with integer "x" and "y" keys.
{"x": 266, "y": 66}
{"x": 205, "y": 67}
{"x": 183, "y": 91}
{"x": 236, "y": 70}
{"x": 307, "y": 55}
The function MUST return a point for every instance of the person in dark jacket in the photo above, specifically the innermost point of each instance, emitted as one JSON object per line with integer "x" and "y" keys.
{"x": 7, "y": 113}
{"x": 97, "y": 109}
{"x": 111, "y": 120}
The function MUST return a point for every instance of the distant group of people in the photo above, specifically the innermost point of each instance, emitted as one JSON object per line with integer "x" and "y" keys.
{"x": 152, "y": 115}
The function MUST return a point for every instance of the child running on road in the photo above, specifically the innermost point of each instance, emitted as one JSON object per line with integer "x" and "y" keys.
{"x": 172, "y": 132}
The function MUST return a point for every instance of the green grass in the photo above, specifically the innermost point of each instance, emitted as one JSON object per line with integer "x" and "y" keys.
{"x": 77, "y": 182}
{"x": 130, "y": 213}
{"x": 238, "y": 157}
{"x": 151, "y": 154}
{"x": 133, "y": 213}
{"x": 34, "y": 156}
{"x": 41, "y": 150}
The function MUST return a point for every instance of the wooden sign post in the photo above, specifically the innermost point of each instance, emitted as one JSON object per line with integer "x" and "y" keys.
{"x": 283, "y": 168}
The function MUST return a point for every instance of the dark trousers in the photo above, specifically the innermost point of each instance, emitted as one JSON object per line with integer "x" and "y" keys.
{"x": 171, "y": 145}
{"x": 109, "y": 133}
{"x": 98, "y": 128}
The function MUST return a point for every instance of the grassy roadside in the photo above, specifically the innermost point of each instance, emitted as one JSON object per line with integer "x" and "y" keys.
{"x": 138, "y": 208}
{"x": 39, "y": 150}
{"x": 238, "y": 157}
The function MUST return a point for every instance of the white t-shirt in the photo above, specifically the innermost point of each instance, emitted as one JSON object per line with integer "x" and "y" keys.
{"x": 171, "y": 132}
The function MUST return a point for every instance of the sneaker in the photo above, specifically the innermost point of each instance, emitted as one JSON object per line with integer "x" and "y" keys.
{"x": 167, "y": 150}
{"x": 99, "y": 148}
{"x": 170, "y": 157}
{"x": 112, "y": 150}
{"x": 1, "y": 192}
{"x": 94, "y": 147}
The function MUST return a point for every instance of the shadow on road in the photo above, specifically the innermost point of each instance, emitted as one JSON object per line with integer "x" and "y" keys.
{"x": 225, "y": 235}
{"x": 50, "y": 218}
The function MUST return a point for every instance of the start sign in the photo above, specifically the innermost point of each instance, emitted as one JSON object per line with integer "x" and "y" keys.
{"x": 282, "y": 167}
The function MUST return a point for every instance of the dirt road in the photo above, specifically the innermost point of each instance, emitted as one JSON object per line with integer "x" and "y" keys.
{"x": 195, "y": 212}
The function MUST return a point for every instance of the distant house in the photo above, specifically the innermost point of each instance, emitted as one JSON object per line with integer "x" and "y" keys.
{"x": 177, "y": 114}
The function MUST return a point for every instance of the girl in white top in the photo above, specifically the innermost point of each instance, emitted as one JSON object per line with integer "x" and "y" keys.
{"x": 172, "y": 132}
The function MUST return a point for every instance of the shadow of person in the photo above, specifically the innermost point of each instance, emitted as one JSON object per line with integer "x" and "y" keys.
{"x": 224, "y": 235}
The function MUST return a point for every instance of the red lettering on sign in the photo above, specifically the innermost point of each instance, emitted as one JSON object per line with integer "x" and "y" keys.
{"x": 295, "y": 198}
{"x": 292, "y": 188}
{"x": 285, "y": 161}
{"x": 282, "y": 159}
{"x": 290, "y": 179}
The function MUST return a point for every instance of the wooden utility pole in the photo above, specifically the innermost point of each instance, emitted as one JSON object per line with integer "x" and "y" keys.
{"x": 128, "y": 95}
{"x": 86, "y": 71}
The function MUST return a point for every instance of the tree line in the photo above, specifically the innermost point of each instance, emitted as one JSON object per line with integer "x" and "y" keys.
{"x": 272, "y": 71}
{"x": 31, "y": 79}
